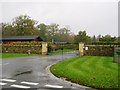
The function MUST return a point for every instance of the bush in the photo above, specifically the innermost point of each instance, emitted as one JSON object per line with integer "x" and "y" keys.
{"x": 97, "y": 50}
{"x": 33, "y": 48}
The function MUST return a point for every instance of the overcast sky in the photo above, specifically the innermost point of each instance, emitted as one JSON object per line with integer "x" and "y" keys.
{"x": 94, "y": 16}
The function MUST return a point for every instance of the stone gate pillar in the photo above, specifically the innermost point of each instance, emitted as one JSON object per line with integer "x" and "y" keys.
{"x": 81, "y": 49}
{"x": 116, "y": 54}
{"x": 44, "y": 48}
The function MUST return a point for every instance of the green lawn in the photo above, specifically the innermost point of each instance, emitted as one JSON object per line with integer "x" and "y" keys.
{"x": 60, "y": 51}
{"x": 12, "y": 55}
{"x": 93, "y": 71}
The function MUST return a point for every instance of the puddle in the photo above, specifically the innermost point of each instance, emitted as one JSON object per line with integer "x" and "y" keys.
{"x": 23, "y": 70}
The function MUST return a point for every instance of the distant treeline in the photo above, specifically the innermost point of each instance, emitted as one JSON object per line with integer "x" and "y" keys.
{"x": 25, "y": 25}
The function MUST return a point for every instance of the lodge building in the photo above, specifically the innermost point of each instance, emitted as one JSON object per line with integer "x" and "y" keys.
{"x": 8, "y": 39}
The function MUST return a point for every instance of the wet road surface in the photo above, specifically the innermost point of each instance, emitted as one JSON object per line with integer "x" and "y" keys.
{"x": 32, "y": 73}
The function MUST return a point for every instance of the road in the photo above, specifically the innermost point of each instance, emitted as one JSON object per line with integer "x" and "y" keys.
{"x": 32, "y": 72}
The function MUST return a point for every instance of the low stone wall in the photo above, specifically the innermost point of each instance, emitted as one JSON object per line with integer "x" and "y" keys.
{"x": 96, "y": 50}
{"x": 30, "y": 49}
{"x": 99, "y": 50}
{"x": 40, "y": 48}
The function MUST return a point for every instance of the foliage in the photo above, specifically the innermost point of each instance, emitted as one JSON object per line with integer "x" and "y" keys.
{"x": 23, "y": 43}
{"x": 25, "y": 25}
{"x": 8, "y": 30}
{"x": 21, "y": 25}
{"x": 118, "y": 39}
{"x": 82, "y": 37}
{"x": 94, "y": 39}
{"x": 43, "y": 31}
{"x": 99, "y": 50}
{"x": 92, "y": 71}
{"x": 107, "y": 39}
{"x": 32, "y": 48}
{"x": 56, "y": 34}
{"x": 65, "y": 35}
{"x": 52, "y": 31}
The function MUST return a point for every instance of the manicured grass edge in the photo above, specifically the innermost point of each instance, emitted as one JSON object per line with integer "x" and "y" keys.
{"x": 60, "y": 76}
{"x": 14, "y": 55}
{"x": 60, "y": 51}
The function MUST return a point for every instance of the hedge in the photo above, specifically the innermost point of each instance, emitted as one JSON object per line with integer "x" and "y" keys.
{"x": 33, "y": 48}
{"x": 99, "y": 50}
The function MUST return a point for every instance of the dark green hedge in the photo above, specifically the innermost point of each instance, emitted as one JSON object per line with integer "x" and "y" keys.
{"x": 33, "y": 49}
{"x": 97, "y": 50}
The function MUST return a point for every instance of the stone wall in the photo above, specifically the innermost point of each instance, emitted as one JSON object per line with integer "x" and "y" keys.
{"x": 99, "y": 50}
{"x": 29, "y": 49}
{"x": 96, "y": 50}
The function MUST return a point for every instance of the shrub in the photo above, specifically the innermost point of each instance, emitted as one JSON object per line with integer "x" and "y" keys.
{"x": 24, "y": 47}
{"x": 99, "y": 50}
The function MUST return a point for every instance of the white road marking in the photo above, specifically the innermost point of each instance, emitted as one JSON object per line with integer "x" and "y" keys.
{"x": 6, "y": 64}
{"x": 3, "y": 64}
{"x": 20, "y": 86}
{"x": 29, "y": 83}
{"x": 53, "y": 86}
{"x": 8, "y": 80}
{"x": 2, "y": 83}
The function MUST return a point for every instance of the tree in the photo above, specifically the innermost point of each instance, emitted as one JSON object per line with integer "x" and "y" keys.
{"x": 25, "y": 25}
{"x": 52, "y": 32}
{"x": 43, "y": 31}
{"x": 98, "y": 38}
{"x": 107, "y": 39}
{"x": 57, "y": 34}
{"x": 82, "y": 37}
{"x": 8, "y": 30}
{"x": 94, "y": 39}
{"x": 65, "y": 35}
{"x": 118, "y": 39}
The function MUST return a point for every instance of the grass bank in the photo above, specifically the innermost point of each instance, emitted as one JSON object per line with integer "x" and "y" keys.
{"x": 12, "y": 55}
{"x": 93, "y": 71}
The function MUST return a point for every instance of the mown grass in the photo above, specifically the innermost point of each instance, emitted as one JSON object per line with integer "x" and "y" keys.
{"x": 12, "y": 55}
{"x": 60, "y": 51}
{"x": 93, "y": 71}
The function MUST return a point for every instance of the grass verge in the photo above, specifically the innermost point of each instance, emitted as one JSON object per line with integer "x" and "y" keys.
{"x": 60, "y": 51}
{"x": 12, "y": 55}
{"x": 92, "y": 71}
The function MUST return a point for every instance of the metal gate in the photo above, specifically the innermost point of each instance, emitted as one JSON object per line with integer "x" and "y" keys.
{"x": 63, "y": 47}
